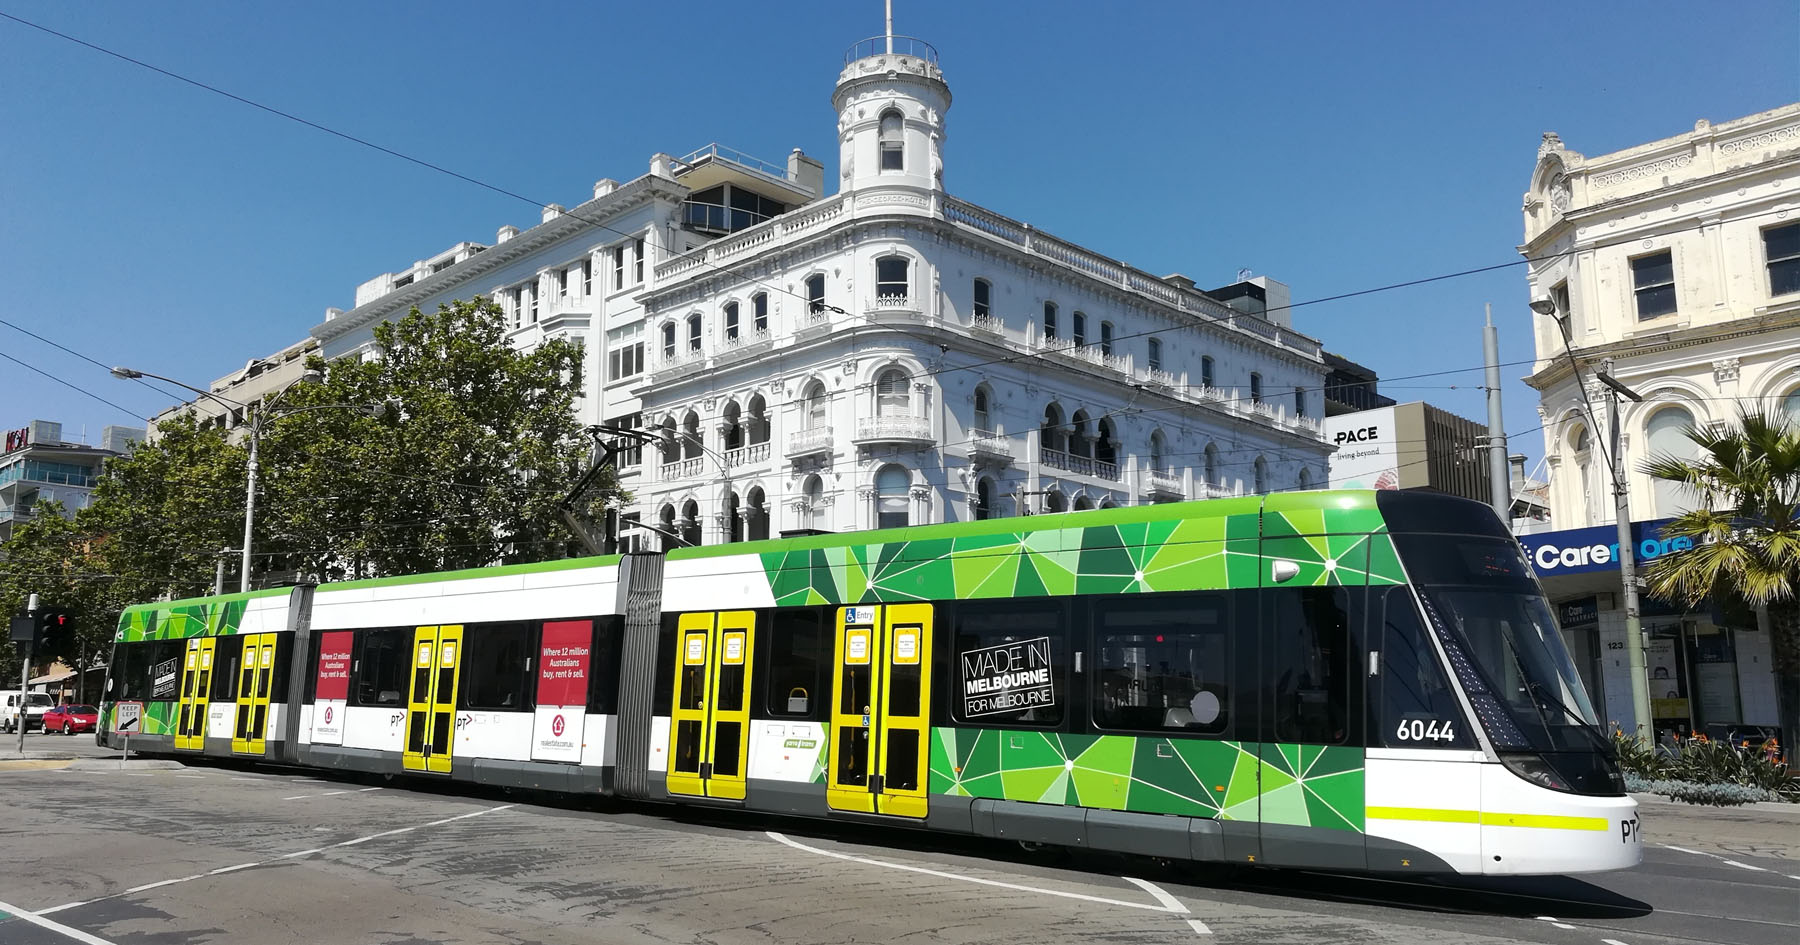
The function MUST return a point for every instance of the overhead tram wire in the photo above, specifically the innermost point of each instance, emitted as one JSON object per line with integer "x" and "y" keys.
{"x": 108, "y": 368}
{"x": 727, "y": 270}
{"x": 73, "y": 387}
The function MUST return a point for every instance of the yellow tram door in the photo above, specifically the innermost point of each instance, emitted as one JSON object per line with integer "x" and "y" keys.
{"x": 709, "y": 724}
{"x": 255, "y": 676}
{"x": 431, "y": 703}
{"x": 196, "y": 682}
{"x": 881, "y": 713}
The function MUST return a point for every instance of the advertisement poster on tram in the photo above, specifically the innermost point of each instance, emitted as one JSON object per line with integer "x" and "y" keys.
{"x": 1010, "y": 677}
{"x": 562, "y": 690}
{"x": 332, "y": 690}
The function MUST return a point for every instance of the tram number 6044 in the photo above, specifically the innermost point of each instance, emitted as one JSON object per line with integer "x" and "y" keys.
{"x": 1420, "y": 730}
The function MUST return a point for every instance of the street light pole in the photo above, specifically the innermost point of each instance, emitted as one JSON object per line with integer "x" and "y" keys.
{"x": 256, "y": 421}
{"x": 1634, "y": 624}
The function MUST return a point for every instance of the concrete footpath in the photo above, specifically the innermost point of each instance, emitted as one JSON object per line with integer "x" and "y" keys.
{"x": 1762, "y": 829}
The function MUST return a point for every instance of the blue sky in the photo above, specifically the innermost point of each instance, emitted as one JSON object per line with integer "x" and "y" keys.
{"x": 1333, "y": 146}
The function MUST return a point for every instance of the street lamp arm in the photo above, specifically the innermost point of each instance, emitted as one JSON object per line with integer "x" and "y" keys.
{"x": 128, "y": 374}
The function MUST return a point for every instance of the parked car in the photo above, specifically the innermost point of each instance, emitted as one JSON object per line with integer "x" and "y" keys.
{"x": 70, "y": 719}
{"x": 32, "y": 704}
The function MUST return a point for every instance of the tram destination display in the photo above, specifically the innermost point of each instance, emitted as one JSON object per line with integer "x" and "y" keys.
{"x": 1008, "y": 677}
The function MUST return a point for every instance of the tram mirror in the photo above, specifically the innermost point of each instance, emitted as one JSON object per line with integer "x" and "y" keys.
{"x": 797, "y": 701}
{"x": 1282, "y": 570}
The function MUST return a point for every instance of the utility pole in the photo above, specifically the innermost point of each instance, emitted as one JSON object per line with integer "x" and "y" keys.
{"x": 1634, "y": 624}
{"x": 1500, "y": 488}
{"x": 31, "y": 610}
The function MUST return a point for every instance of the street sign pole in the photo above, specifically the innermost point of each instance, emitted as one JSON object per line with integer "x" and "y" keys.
{"x": 126, "y": 717}
{"x": 30, "y": 650}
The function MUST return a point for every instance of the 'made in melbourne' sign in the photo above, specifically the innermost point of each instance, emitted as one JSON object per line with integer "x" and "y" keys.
{"x": 1010, "y": 677}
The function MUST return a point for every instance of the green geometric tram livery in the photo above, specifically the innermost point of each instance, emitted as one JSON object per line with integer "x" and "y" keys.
{"x": 1351, "y": 680}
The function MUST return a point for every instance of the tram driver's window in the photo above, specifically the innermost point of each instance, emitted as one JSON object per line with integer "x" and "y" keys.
{"x": 1414, "y": 688}
{"x": 1309, "y": 646}
{"x": 1164, "y": 663}
{"x": 381, "y": 666}
{"x": 799, "y": 663}
{"x": 1009, "y": 664}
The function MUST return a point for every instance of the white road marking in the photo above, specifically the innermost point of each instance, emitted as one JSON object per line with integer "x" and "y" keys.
{"x": 1170, "y": 903}
{"x": 1555, "y": 921}
{"x": 1611, "y": 941}
{"x": 252, "y": 779}
{"x": 973, "y": 879}
{"x": 302, "y": 797}
{"x": 57, "y": 927}
{"x": 1725, "y": 860}
{"x": 166, "y": 882}
{"x": 192, "y": 777}
{"x": 1199, "y": 927}
{"x": 330, "y": 793}
{"x": 231, "y": 869}
{"x": 66, "y": 905}
{"x": 287, "y": 856}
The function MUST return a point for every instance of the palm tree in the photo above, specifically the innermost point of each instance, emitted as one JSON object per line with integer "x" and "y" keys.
{"x": 1746, "y": 538}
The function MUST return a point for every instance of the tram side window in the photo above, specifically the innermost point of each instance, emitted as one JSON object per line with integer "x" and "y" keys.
{"x": 118, "y": 668}
{"x": 662, "y": 698}
{"x": 799, "y": 664}
{"x": 1010, "y": 664}
{"x": 381, "y": 667}
{"x": 228, "y": 651}
{"x": 496, "y": 660}
{"x": 603, "y": 665}
{"x": 1165, "y": 663}
{"x": 283, "y": 663}
{"x": 1310, "y": 652}
{"x": 1418, "y": 707}
{"x": 162, "y": 670}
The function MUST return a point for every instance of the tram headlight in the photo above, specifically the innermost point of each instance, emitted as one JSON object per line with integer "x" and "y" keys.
{"x": 1532, "y": 767}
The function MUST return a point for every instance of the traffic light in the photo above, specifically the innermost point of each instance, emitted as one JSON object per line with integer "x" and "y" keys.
{"x": 54, "y": 630}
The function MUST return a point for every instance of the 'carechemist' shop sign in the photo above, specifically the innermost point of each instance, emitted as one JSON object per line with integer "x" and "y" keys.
{"x": 1585, "y": 550}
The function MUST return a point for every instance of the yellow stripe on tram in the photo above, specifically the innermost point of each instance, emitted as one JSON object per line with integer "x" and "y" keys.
{"x": 1486, "y": 819}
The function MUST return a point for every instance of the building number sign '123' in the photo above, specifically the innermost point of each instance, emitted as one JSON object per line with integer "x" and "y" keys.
{"x": 1010, "y": 677}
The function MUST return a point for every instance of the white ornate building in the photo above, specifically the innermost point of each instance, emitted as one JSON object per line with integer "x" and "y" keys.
{"x": 1680, "y": 261}
{"x": 884, "y": 355}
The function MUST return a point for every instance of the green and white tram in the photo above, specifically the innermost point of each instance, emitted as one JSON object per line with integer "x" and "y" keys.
{"x": 1343, "y": 680}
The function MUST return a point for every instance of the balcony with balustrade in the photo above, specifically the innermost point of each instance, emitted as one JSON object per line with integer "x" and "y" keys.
{"x": 683, "y": 361}
{"x": 903, "y": 431}
{"x": 1163, "y": 485}
{"x": 1079, "y": 465}
{"x": 746, "y": 455}
{"x": 809, "y": 442}
{"x": 744, "y": 345}
{"x": 683, "y": 469}
{"x": 987, "y": 447}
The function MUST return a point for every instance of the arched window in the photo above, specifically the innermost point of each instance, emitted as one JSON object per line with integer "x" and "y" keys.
{"x": 732, "y": 427}
{"x": 890, "y": 279}
{"x": 1666, "y": 433}
{"x": 1051, "y": 435}
{"x": 984, "y": 298}
{"x": 1078, "y": 328}
{"x": 1108, "y": 503}
{"x": 694, "y": 329}
{"x": 815, "y": 293}
{"x": 1083, "y": 504}
{"x": 1054, "y": 501}
{"x": 892, "y": 500}
{"x": 983, "y": 421}
{"x": 668, "y": 340}
{"x": 1582, "y": 447}
{"x": 731, "y": 321}
{"x": 893, "y": 151}
{"x": 1104, "y": 451}
{"x": 1159, "y": 452}
{"x": 756, "y": 514}
{"x": 1206, "y": 371}
{"x": 1106, "y": 335}
{"x": 756, "y": 425}
{"x": 1790, "y": 405}
{"x": 671, "y": 445}
{"x": 984, "y": 499}
{"x": 1153, "y": 353}
{"x": 1262, "y": 476}
{"x": 1299, "y": 401}
{"x": 1255, "y": 388}
{"x": 812, "y": 504}
{"x": 815, "y": 406}
{"x": 1212, "y": 467}
{"x": 759, "y": 312}
{"x": 734, "y": 519}
{"x": 1049, "y": 320}
{"x": 1305, "y": 478}
{"x": 690, "y": 523}
{"x": 893, "y": 394}
{"x": 690, "y": 436}
{"x": 1081, "y": 441}
{"x": 670, "y": 537}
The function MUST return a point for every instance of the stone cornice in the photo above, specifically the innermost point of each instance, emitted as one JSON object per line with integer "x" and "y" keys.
{"x": 1773, "y": 318}
{"x": 646, "y": 189}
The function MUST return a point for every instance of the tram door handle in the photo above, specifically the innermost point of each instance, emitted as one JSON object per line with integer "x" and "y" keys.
{"x": 1374, "y": 662}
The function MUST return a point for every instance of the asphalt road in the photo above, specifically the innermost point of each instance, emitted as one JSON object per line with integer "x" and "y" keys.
{"x": 254, "y": 856}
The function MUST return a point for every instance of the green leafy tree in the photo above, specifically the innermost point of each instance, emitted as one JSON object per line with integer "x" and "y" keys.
{"x": 479, "y": 444}
{"x": 1745, "y": 533}
{"x": 55, "y": 558}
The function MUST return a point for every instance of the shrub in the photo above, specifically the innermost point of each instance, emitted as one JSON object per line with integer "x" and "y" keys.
{"x": 1717, "y": 795}
{"x": 1691, "y": 767}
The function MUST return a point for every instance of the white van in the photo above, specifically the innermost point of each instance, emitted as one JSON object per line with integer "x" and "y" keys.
{"x": 35, "y": 703}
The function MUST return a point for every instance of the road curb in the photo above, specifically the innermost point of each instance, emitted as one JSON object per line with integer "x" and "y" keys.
{"x": 34, "y": 764}
{"x": 134, "y": 764}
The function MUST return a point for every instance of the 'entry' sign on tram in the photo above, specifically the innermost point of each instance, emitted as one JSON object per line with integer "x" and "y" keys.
{"x": 564, "y": 659}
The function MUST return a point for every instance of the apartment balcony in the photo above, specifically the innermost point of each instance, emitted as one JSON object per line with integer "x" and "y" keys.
{"x": 745, "y": 345}
{"x": 808, "y": 442}
{"x": 1163, "y": 485}
{"x": 682, "y": 362}
{"x": 814, "y": 323}
{"x": 890, "y": 308}
{"x": 988, "y": 325}
{"x": 746, "y": 455}
{"x": 683, "y": 469}
{"x": 1079, "y": 465}
{"x": 898, "y": 430}
{"x": 988, "y": 447}
{"x": 717, "y": 220}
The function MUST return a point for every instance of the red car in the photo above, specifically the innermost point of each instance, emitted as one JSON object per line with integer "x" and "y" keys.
{"x": 69, "y": 719}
